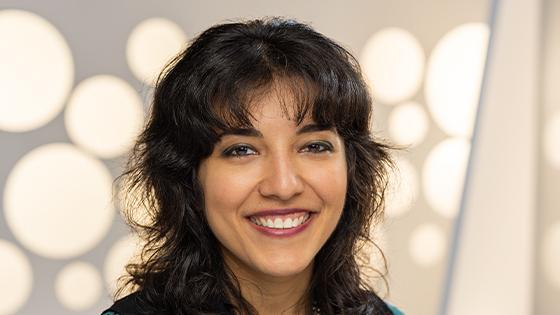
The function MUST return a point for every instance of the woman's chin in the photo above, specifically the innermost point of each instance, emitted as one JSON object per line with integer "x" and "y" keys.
{"x": 282, "y": 273}
{"x": 284, "y": 268}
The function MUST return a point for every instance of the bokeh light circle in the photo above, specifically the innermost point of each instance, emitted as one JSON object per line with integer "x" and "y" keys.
{"x": 408, "y": 124}
{"x": 393, "y": 61}
{"x": 78, "y": 286}
{"x": 443, "y": 175}
{"x": 57, "y": 201}
{"x": 104, "y": 116}
{"x": 37, "y": 71}
{"x": 124, "y": 251}
{"x": 151, "y": 45}
{"x": 427, "y": 244}
{"x": 453, "y": 78}
{"x": 16, "y": 278}
{"x": 551, "y": 254}
{"x": 551, "y": 141}
{"x": 403, "y": 188}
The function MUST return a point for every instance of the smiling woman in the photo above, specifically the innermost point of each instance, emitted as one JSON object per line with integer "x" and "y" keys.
{"x": 260, "y": 176}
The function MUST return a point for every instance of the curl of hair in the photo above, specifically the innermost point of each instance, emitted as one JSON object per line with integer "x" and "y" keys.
{"x": 207, "y": 88}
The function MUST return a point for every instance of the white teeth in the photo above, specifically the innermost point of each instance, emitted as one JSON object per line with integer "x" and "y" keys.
{"x": 295, "y": 222}
{"x": 287, "y": 223}
{"x": 279, "y": 224}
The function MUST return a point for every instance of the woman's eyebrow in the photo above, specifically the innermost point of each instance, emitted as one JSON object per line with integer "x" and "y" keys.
{"x": 252, "y": 132}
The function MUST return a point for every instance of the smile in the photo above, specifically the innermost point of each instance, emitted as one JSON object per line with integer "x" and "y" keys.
{"x": 279, "y": 222}
{"x": 282, "y": 225}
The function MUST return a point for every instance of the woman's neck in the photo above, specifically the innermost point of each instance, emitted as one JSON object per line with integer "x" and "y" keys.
{"x": 271, "y": 295}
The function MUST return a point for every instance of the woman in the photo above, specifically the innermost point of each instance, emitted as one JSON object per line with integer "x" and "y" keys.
{"x": 261, "y": 177}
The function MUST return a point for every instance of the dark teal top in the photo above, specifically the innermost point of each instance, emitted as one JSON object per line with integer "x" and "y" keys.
{"x": 130, "y": 305}
{"x": 393, "y": 309}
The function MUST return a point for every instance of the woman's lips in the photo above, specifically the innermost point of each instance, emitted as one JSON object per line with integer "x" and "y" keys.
{"x": 285, "y": 225}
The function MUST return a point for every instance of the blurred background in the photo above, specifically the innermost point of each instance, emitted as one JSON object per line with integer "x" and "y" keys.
{"x": 468, "y": 87}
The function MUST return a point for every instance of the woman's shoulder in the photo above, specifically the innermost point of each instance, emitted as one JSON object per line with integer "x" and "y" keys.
{"x": 134, "y": 304}
{"x": 394, "y": 309}
{"x": 377, "y": 305}
{"x": 127, "y": 305}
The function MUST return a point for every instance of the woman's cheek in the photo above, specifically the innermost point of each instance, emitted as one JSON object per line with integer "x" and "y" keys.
{"x": 232, "y": 182}
{"x": 329, "y": 177}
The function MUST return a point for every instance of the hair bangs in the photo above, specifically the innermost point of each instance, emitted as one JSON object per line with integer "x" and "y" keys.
{"x": 299, "y": 96}
{"x": 234, "y": 105}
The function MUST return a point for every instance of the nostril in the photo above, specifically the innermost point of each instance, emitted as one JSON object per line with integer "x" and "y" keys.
{"x": 281, "y": 187}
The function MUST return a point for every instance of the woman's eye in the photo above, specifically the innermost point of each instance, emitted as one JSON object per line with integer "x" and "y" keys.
{"x": 318, "y": 147}
{"x": 239, "y": 150}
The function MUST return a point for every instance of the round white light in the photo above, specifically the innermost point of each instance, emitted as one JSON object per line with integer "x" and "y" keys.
{"x": 551, "y": 141}
{"x": 78, "y": 286}
{"x": 151, "y": 45}
{"x": 408, "y": 124}
{"x": 453, "y": 78}
{"x": 124, "y": 251}
{"x": 427, "y": 244}
{"x": 551, "y": 254}
{"x": 36, "y": 73}
{"x": 16, "y": 278}
{"x": 104, "y": 116}
{"x": 443, "y": 175}
{"x": 57, "y": 201}
{"x": 393, "y": 61}
{"x": 402, "y": 191}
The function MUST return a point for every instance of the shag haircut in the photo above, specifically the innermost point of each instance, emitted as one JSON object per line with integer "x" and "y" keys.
{"x": 207, "y": 89}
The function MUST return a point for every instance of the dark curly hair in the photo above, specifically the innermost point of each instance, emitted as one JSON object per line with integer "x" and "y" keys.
{"x": 206, "y": 89}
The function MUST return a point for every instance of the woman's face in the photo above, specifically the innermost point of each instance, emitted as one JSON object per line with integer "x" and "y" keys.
{"x": 274, "y": 194}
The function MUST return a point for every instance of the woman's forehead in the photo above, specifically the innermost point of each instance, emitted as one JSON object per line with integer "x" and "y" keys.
{"x": 282, "y": 98}
{"x": 272, "y": 108}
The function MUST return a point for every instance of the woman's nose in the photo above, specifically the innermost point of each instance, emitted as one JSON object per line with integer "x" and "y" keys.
{"x": 281, "y": 179}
